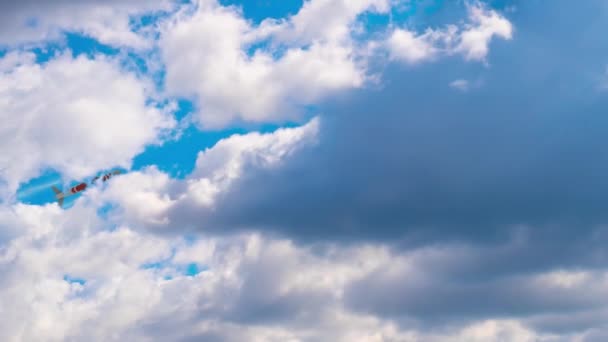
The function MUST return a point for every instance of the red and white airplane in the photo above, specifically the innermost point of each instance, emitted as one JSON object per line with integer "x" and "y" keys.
{"x": 60, "y": 195}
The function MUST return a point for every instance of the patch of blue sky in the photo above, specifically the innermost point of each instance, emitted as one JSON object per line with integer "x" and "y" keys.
{"x": 423, "y": 14}
{"x": 502, "y": 4}
{"x": 192, "y": 269}
{"x": 77, "y": 44}
{"x": 47, "y": 52}
{"x": 258, "y": 10}
{"x": 190, "y": 239}
{"x": 105, "y": 210}
{"x": 74, "y": 280}
{"x": 38, "y": 191}
{"x": 267, "y": 46}
{"x": 138, "y": 23}
{"x": 141, "y": 22}
{"x": 178, "y": 157}
{"x": 374, "y": 22}
{"x": 80, "y": 45}
{"x": 137, "y": 63}
{"x": 415, "y": 15}
{"x": 160, "y": 264}
{"x": 166, "y": 266}
{"x": 84, "y": 45}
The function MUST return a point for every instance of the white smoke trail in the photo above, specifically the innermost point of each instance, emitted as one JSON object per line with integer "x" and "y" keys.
{"x": 35, "y": 189}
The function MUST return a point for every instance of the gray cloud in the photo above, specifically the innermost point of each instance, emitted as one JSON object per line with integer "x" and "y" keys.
{"x": 416, "y": 157}
{"x": 37, "y": 21}
{"x": 445, "y": 290}
{"x": 515, "y": 169}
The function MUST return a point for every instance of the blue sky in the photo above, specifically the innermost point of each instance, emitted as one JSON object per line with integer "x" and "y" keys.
{"x": 320, "y": 170}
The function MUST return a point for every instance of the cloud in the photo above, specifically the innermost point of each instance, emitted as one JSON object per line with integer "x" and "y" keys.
{"x": 298, "y": 63}
{"x": 325, "y": 20}
{"x": 150, "y": 198}
{"x": 407, "y": 214}
{"x": 251, "y": 282}
{"x": 75, "y": 115}
{"x": 253, "y": 286}
{"x": 437, "y": 285}
{"x": 406, "y": 46}
{"x": 420, "y": 160}
{"x": 462, "y": 85}
{"x": 37, "y": 21}
{"x": 476, "y": 37}
{"x": 471, "y": 40}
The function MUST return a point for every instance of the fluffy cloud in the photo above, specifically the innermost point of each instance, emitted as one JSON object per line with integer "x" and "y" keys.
{"x": 152, "y": 199}
{"x": 75, "y": 115}
{"x": 302, "y": 59}
{"x": 398, "y": 217}
{"x": 404, "y": 45}
{"x": 35, "y": 21}
{"x": 66, "y": 276}
{"x": 485, "y": 24}
{"x": 420, "y": 159}
{"x": 471, "y": 40}
{"x": 326, "y": 20}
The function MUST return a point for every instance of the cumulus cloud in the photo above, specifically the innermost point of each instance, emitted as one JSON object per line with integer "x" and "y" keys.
{"x": 303, "y": 59}
{"x": 471, "y": 40}
{"x": 411, "y": 215}
{"x": 406, "y": 46}
{"x": 485, "y": 24}
{"x": 326, "y": 20}
{"x": 418, "y": 158}
{"x": 66, "y": 276}
{"x": 36, "y": 21}
{"x": 76, "y": 115}
{"x": 151, "y": 199}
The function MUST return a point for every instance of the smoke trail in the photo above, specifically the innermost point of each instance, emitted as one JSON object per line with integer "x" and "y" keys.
{"x": 31, "y": 190}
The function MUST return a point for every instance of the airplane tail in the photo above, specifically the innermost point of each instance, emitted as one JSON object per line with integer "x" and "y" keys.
{"x": 58, "y": 194}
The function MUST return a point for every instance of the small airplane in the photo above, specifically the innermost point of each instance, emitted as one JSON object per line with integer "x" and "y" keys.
{"x": 60, "y": 195}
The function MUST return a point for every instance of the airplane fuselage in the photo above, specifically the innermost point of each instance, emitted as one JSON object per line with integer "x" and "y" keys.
{"x": 81, "y": 187}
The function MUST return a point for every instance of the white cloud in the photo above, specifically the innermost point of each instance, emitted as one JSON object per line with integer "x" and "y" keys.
{"x": 205, "y": 53}
{"x": 35, "y": 21}
{"x": 327, "y": 20}
{"x": 485, "y": 24}
{"x": 498, "y": 330}
{"x": 121, "y": 300}
{"x": 75, "y": 115}
{"x": 462, "y": 85}
{"x": 150, "y": 198}
{"x": 471, "y": 40}
{"x": 252, "y": 287}
{"x": 406, "y": 46}
{"x": 217, "y": 167}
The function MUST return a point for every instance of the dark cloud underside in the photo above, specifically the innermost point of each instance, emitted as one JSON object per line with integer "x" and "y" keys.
{"x": 527, "y": 147}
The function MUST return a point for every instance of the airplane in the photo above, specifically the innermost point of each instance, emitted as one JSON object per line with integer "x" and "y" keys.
{"x": 60, "y": 195}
